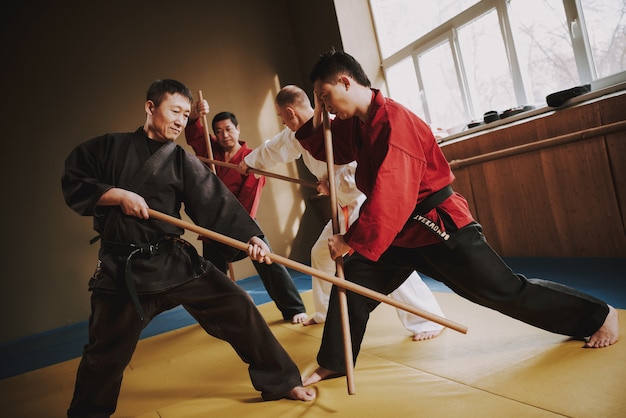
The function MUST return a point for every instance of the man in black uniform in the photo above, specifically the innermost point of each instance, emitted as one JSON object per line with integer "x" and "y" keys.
{"x": 145, "y": 268}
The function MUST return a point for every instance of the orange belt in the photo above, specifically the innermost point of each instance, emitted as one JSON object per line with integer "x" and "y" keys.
{"x": 345, "y": 216}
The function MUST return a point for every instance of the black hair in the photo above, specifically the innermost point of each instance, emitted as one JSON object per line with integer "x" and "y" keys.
{"x": 159, "y": 88}
{"x": 223, "y": 116}
{"x": 334, "y": 62}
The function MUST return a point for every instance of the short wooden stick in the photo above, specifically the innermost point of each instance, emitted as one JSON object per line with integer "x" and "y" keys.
{"x": 260, "y": 172}
{"x": 207, "y": 136}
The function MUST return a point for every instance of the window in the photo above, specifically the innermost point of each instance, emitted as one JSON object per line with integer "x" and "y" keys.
{"x": 543, "y": 46}
{"x": 606, "y": 28}
{"x": 486, "y": 66}
{"x": 442, "y": 95}
{"x": 400, "y": 22}
{"x": 402, "y": 82}
{"x": 451, "y": 61}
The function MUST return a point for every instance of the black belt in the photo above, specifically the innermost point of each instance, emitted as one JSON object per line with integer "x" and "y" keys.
{"x": 130, "y": 250}
{"x": 428, "y": 204}
{"x": 432, "y": 201}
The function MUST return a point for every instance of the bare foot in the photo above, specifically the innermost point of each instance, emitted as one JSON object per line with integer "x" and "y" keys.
{"x": 426, "y": 335}
{"x": 607, "y": 334}
{"x": 300, "y": 393}
{"x": 309, "y": 321}
{"x": 299, "y": 318}
{"x": 320, "y": 374}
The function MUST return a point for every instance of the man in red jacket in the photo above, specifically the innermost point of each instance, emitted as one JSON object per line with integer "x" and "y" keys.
{"x": 412, "y": 220}
{"x": 227, "y": 147}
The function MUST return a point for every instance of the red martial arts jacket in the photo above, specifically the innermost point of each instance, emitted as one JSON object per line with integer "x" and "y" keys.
{"x": 247, "y": 188}
{"x": 399, "y": 164}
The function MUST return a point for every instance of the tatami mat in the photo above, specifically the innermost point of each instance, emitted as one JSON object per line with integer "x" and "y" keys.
{"x": 500, "y": 368}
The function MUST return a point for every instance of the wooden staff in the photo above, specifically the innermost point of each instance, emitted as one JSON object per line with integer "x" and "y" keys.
{"x": 261, "y": 172}
{"x": 302, "y": 268}
{"x": 343, "y": 299}
{"x": 207, "y": 136}
{"x": 209, "y": 150}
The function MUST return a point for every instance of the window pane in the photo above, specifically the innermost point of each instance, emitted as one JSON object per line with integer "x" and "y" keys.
{"x": 441, "y": 87}
{"x": 400, "y": 22}
{"x": 606, "y": 29}
{"x": 486, "y": 65}
{"x": 403, "y": 86}
{"x": 544, "y": 48}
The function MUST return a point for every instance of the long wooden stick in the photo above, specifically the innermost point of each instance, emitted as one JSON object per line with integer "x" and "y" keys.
{"x": 302, "y": 268}
{"x": 209, "y": 151}
{"x": 207, "y": 136}
{"x": 343, "y": 299}
{"x": 261, "y": 172}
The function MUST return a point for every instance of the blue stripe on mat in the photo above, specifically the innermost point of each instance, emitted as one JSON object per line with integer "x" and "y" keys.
{"x": 65, "y": 343}
{"x": 602, "y": 278}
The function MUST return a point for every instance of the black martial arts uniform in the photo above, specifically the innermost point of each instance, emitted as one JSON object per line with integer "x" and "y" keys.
{"x": 165, "y": 271}
{"x": 399, "y": 167}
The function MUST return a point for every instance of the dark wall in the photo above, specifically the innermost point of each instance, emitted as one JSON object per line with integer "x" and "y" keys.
{"x": 74, "y": 69}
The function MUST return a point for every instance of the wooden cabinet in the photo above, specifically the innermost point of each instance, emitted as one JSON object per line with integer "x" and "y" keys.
{"x": 538, "y": 198}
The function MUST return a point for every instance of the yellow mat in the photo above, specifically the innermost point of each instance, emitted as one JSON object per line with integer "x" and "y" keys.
{"x": 501, "y": 368}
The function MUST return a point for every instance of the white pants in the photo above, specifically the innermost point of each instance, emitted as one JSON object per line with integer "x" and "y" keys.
{"x": 412, "y": 292}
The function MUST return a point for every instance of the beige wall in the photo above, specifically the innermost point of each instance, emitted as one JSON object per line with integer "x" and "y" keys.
{"x": 73, "y": 70}
{"x": 359, "y": 39}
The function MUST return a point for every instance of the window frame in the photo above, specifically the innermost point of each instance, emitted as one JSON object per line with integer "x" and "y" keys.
{"x": 447, "y": 32}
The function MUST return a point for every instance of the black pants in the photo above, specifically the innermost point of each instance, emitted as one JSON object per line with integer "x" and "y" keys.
{"x": 221, "y": 307}
{"x": 275, "y": 277}
{"x": 474, "y": 271}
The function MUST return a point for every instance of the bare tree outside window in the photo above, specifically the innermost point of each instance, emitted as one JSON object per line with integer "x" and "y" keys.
{"x": 486, "y": 65}
{"x": 605, "y": 21}
{"x": 400, "y": 22}
{"x": 403, "y": 86}
{"x": 441, "y": 88}
{"x": 472, "y": 56}
{"x": 543, "y": 45}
